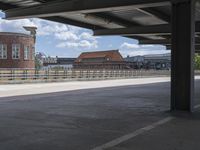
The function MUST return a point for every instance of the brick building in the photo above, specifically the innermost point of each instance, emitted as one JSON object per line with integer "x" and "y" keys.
{"x": 111, "y": 59}
{"x": 17, "y": 50}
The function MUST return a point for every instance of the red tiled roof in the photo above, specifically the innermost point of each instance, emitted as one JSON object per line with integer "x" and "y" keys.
{"x": 113, "y": 55}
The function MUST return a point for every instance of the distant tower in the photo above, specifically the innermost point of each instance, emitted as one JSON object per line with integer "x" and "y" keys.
{"x": 32, "y": 30}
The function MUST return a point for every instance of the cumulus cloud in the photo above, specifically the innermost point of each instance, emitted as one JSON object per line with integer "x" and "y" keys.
{"x": 87, "y": 36}
{"x": 142, "y": 52}
{"x": 133, "y": 49}
{"x": 67, "y": 36}
{"x": 84, "y": 40}
{"x": 44, "y": 27}
{"x": 126, "y": 45}
{"x": 79, "y": 44}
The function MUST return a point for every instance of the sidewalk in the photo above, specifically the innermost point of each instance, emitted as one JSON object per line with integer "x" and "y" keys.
{"x": 39, "y": 88}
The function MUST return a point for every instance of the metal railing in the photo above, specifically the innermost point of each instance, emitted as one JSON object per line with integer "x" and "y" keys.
{"x": 31, "y": 74}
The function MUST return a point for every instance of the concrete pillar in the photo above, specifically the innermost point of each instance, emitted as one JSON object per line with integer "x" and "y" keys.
{"x": 183, "y": 48}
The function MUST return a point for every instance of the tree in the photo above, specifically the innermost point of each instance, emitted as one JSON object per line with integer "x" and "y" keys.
{"x": 38, "y": 64}
{"x": 197, "y": 62}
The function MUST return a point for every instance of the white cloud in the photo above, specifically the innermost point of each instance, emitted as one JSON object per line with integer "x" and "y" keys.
{"x": 134, "y": 46}
{"x": 87, "y": 36}
{"x": 66, "y": 36}
{"x": 110, "y": 45}
{"x": 71, "y": 40}
{"x": 44, "y": 27}
{"x": 133, "y": 49}
{"x": 14, "y": 26}
{"x": 79, "y": 44}
{"x": 126, "y": 45}
{"x": 142, "y": 52}
{"x": 146, "y": 46}
{"x": 88, "y": 44}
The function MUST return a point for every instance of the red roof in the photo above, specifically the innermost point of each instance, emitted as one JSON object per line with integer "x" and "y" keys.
{"x": 113, "y": 55}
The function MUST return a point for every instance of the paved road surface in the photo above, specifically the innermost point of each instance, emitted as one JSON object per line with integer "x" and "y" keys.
{"x": 89, "y": 118}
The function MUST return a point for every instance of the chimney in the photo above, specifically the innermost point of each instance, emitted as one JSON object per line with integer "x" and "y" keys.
{"x": 32, "y": 30}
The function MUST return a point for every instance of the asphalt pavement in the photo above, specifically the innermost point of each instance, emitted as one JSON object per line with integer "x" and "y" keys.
{"x": 114, "y": 117}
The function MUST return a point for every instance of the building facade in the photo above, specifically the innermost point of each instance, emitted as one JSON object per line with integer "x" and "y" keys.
{"x": 111, "y": 59}
{"x": 158, "y": 61}
{"x": 154, "y": 61}
{"x": 57, "y": 63}
{"x": 17, "y": 50}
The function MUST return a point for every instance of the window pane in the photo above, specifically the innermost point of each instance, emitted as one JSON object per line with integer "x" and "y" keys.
{"x": 26, "y": 52}
{"x": 3, "y": 51}
{"x": 15, "y": 51}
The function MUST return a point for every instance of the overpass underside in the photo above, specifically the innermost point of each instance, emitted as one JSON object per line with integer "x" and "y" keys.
{"x": 172, "y": 23}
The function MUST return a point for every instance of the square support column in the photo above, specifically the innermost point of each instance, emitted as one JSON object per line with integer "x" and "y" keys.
{"x": 183, "y": 49}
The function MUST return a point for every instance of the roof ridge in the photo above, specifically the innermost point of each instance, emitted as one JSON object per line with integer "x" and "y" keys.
{"x": 101, "y": 51}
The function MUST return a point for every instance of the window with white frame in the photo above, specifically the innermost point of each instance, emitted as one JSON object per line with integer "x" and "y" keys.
{"x": 15, "y": 51}
{"x": 26, "y": 52}
{"x": 33, "y": 52}
{"x": 3, "y": 51}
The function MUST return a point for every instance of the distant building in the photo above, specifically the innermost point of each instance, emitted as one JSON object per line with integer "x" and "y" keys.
{"x": 49, "y": 61}
{"x": 155, "y": 61}
{"x": 158, "y": 61}
{"x": 136, "y": 62}
{"x": 17, "y": 50}
{"x": 56, "y": 62}
{"x": 111, "y": 59}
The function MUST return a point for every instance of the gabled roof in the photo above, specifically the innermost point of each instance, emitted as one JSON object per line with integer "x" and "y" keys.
{"x": 113, "y": 55}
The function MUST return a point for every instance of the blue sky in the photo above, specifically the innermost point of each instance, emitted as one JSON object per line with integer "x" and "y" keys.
{"x": 55, "y": 39}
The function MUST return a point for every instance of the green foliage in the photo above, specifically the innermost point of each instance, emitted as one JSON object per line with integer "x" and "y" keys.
{"x": 38, "y": 64}
{"x": 197, "y": 62}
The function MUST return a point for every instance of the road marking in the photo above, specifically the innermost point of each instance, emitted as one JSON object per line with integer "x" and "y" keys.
{"x": 132, "y": 135}
{"x": 197, "y": 106}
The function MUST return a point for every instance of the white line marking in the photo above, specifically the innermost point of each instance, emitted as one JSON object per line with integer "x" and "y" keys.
{"x": 132, "y": 135}
{"x": 197, "y": 106}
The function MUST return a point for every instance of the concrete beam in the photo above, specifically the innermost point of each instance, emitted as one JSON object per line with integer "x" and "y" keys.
{"x": 119, "y": 21}
{"x": 4, "y": 6}
{"x": 169, "y": 47}
{"x": 163, "y": 42}
{"x": 150, "y": 41}
{"x": 139, "y": 30}
{"x": 80, "y": 6}
{"x": 72, "y": 22}
{"x": 158, "y": 14}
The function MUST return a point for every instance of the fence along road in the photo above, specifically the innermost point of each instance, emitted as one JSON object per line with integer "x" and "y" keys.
{"x": 9, "y": 75}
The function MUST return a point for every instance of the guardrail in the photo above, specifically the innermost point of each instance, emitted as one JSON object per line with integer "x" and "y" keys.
{"x": 31, "y": 75}
{"x": 28, "y": 74}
